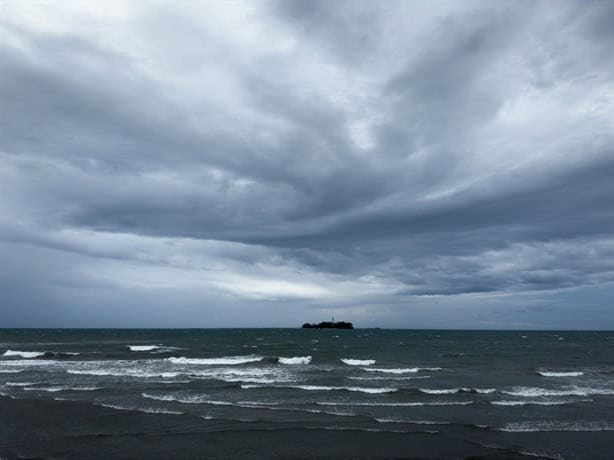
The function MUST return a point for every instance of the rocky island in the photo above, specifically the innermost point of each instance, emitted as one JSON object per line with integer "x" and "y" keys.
{"x": 329, "y": 325}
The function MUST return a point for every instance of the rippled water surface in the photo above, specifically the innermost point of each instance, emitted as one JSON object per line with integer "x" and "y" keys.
{"x": 374, "y": 380}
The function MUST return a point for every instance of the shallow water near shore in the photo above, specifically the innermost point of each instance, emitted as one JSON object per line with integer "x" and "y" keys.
{"x": 504, "y": 391}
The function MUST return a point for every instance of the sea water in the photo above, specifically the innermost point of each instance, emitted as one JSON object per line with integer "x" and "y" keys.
{"x": 365, "y": 379}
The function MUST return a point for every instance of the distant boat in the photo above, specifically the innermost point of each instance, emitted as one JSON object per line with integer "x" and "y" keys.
{"x": 329, "y": 325}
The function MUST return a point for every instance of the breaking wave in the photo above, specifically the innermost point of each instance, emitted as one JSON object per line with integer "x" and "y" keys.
{"x": 295, "y": 360}
{"x": 225, "y": 361}
{"x": 410, "y": 370}
{"x": 358, "y": 362}
{"x": 560, "y": 374}
{"x": 325, "y": 388}
{"x": 23, "y": 354}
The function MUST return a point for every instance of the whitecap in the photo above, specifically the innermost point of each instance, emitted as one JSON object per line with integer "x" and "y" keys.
{"x": 295, "y": 360}
{"x": 20, "y": 384}
{"x": 143, "y": 347}
{"x": 56, "y": 389}
{"x": 560, "y": 374}
{"x": 523, "y": 427}
{"x": 225, "y": 361}
{"x": 23, "y": 354}
{"x": 411, "y": 422}
{"x": 401, "y": 371}
{"x": 537, "y": 403}
{"x": 397, "y": 404}
{"x": 325, "y": 388}
{"x": 358, "y": 362}
{"x": 186, "y": 399}
{"x": 534, "y": 392}
{"x": 447, "y": 391}
{"x": 147, "y": 410}
{"x": 417, "y": 377}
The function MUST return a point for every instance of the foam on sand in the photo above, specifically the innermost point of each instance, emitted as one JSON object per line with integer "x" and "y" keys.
{"x": 358, "y": 362}
{"x": 294, "y": 360}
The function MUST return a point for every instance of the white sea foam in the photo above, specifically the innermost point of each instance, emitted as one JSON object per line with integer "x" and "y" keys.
{"x": 538, "y": 403}
{"x": 411, "y": 422}
{"x": 186, "y": 399}
{"x": 397, "y": 404}
{"x": 23, "y": 354}
{"x": 401, "y": 371}
{"x": 119, "y": 372}
{"x": 358, "y": 362}
{"x": 225, "y": 361}
{"x": 523, "y": 427}
{"x": 325, "y": 388}
{"x": 143, "y": 347}
{"x": 147, "y": 410}
{"x": 295, "y": 360}
{"x": 447, "y": 391}
{"x": 534, "y": 392}
{"x": 419, "y": 377}
{"x": 56, "y": 389}
{"x": 20, "y": 384}
{"x": 10, "y": 371}
{"x": 560, "y": 374}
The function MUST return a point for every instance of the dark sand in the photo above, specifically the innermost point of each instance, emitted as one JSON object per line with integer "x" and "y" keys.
{"x": 80, "y": 430}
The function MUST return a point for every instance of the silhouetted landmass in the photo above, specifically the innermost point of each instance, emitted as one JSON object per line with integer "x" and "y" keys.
{"x": 329, "y": 325}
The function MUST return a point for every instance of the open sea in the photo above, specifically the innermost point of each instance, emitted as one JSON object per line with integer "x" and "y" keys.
{"x": 532, "y": 392}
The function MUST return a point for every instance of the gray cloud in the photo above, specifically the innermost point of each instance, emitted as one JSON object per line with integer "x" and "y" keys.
{"x": 271, "y": 161}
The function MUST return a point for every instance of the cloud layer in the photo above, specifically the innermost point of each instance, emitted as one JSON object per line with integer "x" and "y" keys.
{"x": 268, "y": 163}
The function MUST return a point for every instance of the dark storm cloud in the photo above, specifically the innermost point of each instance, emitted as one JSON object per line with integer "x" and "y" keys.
{"x": 312, "y": 153}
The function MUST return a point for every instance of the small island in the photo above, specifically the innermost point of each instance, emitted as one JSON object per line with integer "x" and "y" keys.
{"x": 329, "y": 325}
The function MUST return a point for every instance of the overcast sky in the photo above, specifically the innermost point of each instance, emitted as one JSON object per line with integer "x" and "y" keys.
{"x": 262, "y": 163}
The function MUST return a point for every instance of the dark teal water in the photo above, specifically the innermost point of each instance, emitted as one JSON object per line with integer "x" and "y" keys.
{"x": 374, "y": 380}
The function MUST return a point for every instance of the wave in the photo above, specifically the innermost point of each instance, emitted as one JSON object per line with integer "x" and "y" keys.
{"x": 402, "y": 371}
{"x": 225, "y": 361}
{"x": 186, "y": 399}
{"x": 56, "y": 389}
{"x": 325, "y": 388}
{"x": 147, "y": 410}
{"x": 10, "y": 371}
{"x": 524, "y": 427}
{"x": 391, "y": 378}
{"x": 358, "y": 362}
{"x": 143, "y": 347}
{"x": 396, "y": 404}
{"x": 456, "y": 390}
{"x": 560, "y": 374}
{"x": 23, "y": 354}
{"x": 538, "y": 403}
{"x": 411, "y": 422}
{"x": 295, "y": 360}
{"x": 20, "y": 384}
{"x": 122, "y": 373}
{"x": 534, "y": 392}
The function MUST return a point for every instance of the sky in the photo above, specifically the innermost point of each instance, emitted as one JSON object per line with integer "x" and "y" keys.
{"x": 407, "y": 164}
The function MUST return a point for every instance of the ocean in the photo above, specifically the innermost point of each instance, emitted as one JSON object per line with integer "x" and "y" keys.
{"x": 418, "y": 393}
